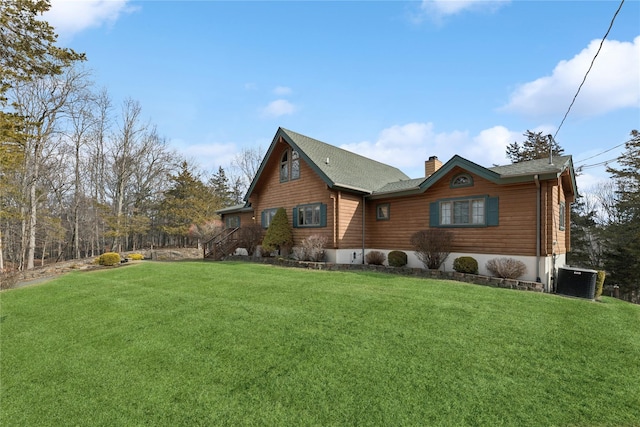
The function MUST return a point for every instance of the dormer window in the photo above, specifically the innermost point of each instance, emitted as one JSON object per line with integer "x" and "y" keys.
{"x": 289, "y": 166}
{"x": 462, "y": 180}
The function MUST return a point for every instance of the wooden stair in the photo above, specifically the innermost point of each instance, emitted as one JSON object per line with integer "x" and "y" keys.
{"x": 221, "y": 245}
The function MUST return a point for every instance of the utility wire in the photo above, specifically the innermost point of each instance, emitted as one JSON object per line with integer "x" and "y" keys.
{"x": 599, "y": 154}
{"x": 590, "y": 66}
{"x": 596, "y": 165}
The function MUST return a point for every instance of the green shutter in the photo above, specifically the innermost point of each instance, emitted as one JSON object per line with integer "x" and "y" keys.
{"x": 295, "y": 217}
{"x": 434, "y": 214}
{"x": 323, "y": 215}
{"x": 492, "y": 211}
{"x": 263, "y": 217}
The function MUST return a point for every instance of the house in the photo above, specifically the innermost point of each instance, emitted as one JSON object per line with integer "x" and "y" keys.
{"x": 519, "y": 210}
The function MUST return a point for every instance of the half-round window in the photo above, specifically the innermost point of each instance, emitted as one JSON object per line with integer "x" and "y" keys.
{"x": 462, "y": 180}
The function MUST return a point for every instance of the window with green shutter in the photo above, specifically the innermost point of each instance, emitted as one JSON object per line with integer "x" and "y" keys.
{"x": 310, "y": 215}
{"x": 474, "y": 211}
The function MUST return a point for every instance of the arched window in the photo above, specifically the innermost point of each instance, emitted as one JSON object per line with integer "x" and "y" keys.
{"x": 284, "y": 166}
{"x": 462, "y": 180}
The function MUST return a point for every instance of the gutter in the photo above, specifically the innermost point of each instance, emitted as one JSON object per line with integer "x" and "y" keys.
{"x": 363, "y": 226}
{"x": 536, "y": 178}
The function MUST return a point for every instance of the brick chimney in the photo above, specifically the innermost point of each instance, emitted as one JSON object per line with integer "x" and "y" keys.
{"x": 431, "y": 166}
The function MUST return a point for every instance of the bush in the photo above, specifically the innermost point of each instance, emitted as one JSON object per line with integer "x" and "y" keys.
{"x": 432, "y": 246}
{"x": 507, "y": 268}
{"x": 249, "y": 237}
{"x": 279, "y": 235}
{"x": 599, "y": 283}
{"x": 312, "y": 249}
{"x": 136, "y": 257}
{"x": 109, "y": 258}
{"x": 397, "y": 259}
{"x": 466, "y": 264}
{"x": 375, "y": 258}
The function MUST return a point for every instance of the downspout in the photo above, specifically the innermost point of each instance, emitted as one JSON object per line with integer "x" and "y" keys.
{"x": 363, "y": 225}
{"x": 536, "y": 178}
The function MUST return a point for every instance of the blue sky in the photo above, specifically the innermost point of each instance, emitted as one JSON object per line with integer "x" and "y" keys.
{"x": 395, "y": 81}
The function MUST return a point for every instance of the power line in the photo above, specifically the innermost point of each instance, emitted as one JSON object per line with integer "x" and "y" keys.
{"x": 597, "y": 165}
{"x": 590, "y": 66}
{"x": 599, "y": 154}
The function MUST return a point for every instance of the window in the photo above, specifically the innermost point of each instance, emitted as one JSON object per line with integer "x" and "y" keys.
{"x": 462, "y": 212}
{"x": 289, "y": 167}
{"x": 311, "y": 215}
{"x": 267, "y": 217}
{"x": 563, "y": 215}
{"x": 284, "y": 166}
{"x": 382, "y": 211}
{"x": 477, "y": 211}
{"x": 232, "y": 221}
{"x": 295, "y": 165}
{"x": 462, "y": 180}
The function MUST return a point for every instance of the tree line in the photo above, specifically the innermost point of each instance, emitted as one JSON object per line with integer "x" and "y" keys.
{"x": 79, "y": 175}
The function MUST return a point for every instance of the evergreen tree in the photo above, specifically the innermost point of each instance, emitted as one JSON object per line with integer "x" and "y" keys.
{"x": 279, "y": 235}
{"x": 586, "y": 250}
{"x": 219, "y": 184}
{"x": 535, "y": 147}
{"x": 623, "y": 237}
{"x": 187, "y": 202}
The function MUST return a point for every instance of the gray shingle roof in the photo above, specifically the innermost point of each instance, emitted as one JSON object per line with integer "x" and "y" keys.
{"x": 342, "y": 168}
{"x": 532, "y": 167}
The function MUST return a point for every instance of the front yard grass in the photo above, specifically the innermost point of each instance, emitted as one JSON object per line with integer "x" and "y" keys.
{"x": 202, "y": 343}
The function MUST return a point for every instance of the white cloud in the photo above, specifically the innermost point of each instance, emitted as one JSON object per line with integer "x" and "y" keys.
{"x": 279, "y": 107}
{"x": 69, "y": 17}
{"x": 437, "y": 9}
{"x": 282, "y": 91}
{"x": 611, "y": 84}
{"x": 408, "y": 146}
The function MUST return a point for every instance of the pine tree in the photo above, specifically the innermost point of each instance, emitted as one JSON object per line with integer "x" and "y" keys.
{"x": 187, "y": 202}
{"x": 279, "y": 235}
{"x": 623, "y": 237}
{"x": 535, "y": 147}
{"x": 219, "y": 184}
{"x": 586, "y": 250}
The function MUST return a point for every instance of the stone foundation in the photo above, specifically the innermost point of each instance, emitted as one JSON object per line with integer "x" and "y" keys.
{"x": 475, "y": 279}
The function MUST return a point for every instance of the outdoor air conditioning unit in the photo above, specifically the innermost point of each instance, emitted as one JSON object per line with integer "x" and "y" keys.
{"x": 576, "y": 282}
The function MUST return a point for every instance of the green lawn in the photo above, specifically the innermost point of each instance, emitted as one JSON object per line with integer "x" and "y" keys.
{"x": 202, "y": 343}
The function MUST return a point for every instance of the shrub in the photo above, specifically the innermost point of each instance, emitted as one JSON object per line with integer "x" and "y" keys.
{"x": 109, "y": 258}
{"x": 397, "y": 259}
{"x": 249, "y": 237}
{"x": 312, "y": 248}
{"x": 507, "y": 268}
{"x": 136, "y": 257}
{"x": 279, "y": 235}
{"x": 466, "y": 264}
{"x": 375, "y": 258}
{"x": 432, "y": 246}
{"x": 599, "y": 283}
